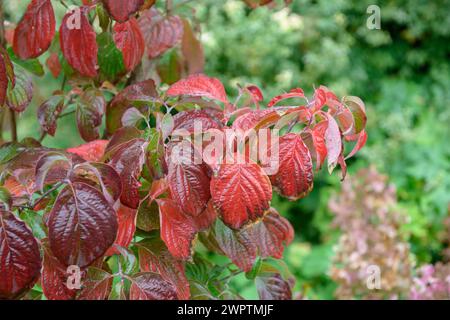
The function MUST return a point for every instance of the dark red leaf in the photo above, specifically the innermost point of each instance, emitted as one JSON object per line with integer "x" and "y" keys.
{"x": 144, "y": 91}
{"x": 358, "y": 111}
{"x": 54, "y": 278}
{"x": 90, "y": 110}
{"x": 238, "y": 246}
{"x": 128, "y": 160}
{"x": 82, "y": 225}
{"x": 51, "y": 168}
{"x": 188, "y": 181}
{"x": 160, "y": 33}
{"x": 35, "y": 31}
{"x": 48, "y": 113}
{"x": 199, "y": 85}
{"x": 294, "y": 178}
{"x": 91, "y": 151}
{"x": 177, "y": 230}
{"x": 241, "y": 192}
{"x": 273, "y": 287}
{"x": 20, "y": 259}
{"x": 78, "y": 42}
{"x": 270, "y": 233}
{"x": 294, "y": 93}
{"x": 100, "y": 175}
{"x": 127, "y": 226}
{"x": 96, "y": 285}
{"x": 154, "y": 257}
{"x": 207, "y": 218}
{"x": 151, "y": 286}
{"x": 129, "y": 39}
{"x": 121, "y": 10}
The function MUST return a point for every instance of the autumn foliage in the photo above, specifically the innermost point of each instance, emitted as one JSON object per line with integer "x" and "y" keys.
{"x": 135, "y": 222}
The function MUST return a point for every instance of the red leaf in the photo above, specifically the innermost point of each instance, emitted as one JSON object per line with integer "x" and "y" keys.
{"x": 78, "y": 43}
{"x": 20, "y": 260}
{"x": 97, "y": 285}
{"x": 121, "y": 10}
{"x": 254, "y": 119}
{"x": 256, "y": 93}
{"x": 160, "y": 33}
{"x": 141, "y": 91}
{"x": 6, "y": 73}
{"x": 241, "y": 192}
{"x": 48, "y": 112}
{"x": 127, "y": 226}
{"x": 272, "y": 286}
{"x": 150, "y": 286}
{"x": 90, "y": 110}
{"x": 270, "y": 233}
{"x": 186, "y": 120}
{"x": 358, "y": 111}
{"x": 188, "y": 181}
{"x": 333, "y": 142}
{"x": 199, "y": 85}
{"x": 294, "y": 93}
{"x": 129, "y": 39}
{"x": 177, "y": 230}
{"x": 54, "y": 278}
{"x": 318, "y": 137}
{"x": 81, "y": 226}
{"x": 128, "y": 160}
{"x": 238, "y": 246}
{"x": 91, "y": 151}
{"x": 207, "y": 218}
{"x": 362, "y": 139}
{"x": 192, "y": 50}
{"x": 154, "y": 257}
{"x": 35, "y": 31}
{"x": 51, "y": 168}
{"x": 53, "y": 64}
{"x": 294, "y": 178}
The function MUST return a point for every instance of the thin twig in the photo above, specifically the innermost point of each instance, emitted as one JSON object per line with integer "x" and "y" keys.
{"x": 13, "y": 124}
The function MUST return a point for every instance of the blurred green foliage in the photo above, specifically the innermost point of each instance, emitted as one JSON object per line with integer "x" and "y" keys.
{"x": 401, "y": 71}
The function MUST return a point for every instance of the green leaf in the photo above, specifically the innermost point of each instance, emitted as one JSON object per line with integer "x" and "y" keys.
{"x": 19, "y": 97}
{"x": 110, "y": 59}
{"x": 5, "y": 198}
{"x": 8, "y": 151}
{"x": 32, "y": 65}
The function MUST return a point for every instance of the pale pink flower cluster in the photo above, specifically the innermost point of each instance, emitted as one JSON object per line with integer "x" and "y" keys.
{"x": 365, "y": 212}
{"x": 432, "y": 282}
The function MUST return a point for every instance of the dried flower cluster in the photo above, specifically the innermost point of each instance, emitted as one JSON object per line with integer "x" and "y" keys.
{"x": 365, "y": 213}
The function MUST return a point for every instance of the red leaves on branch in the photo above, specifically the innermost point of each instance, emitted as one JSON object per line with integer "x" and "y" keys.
{"x": 122, "y": 10}
{"x": 35, "y": 31}
{"x": 20, "y": 260}
{"x": 294, "y": 93}
{"x": 82, "y": 225}
{"x": 199, "y": 85}
{"x": 241, "y": 193}
{"x": 294, "y": 178}
{"x": 78, "y": 42}
{"x": 129, "y": 39}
